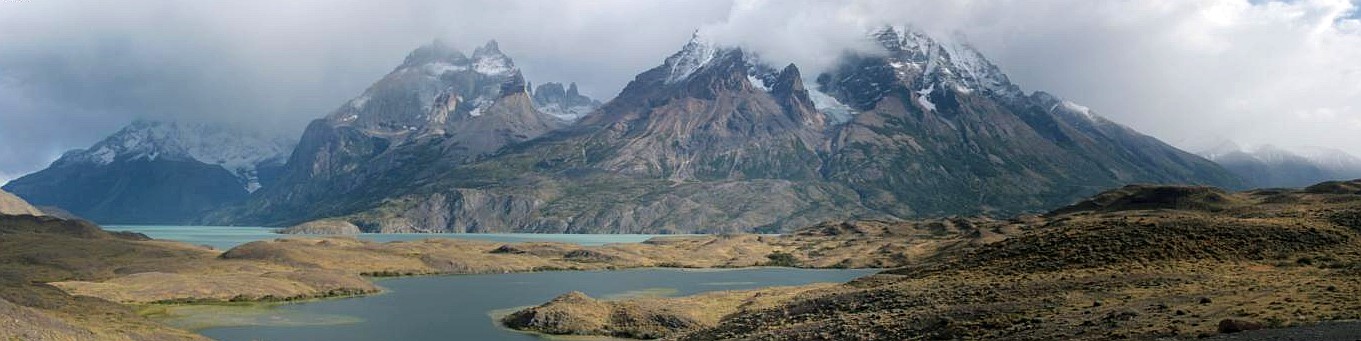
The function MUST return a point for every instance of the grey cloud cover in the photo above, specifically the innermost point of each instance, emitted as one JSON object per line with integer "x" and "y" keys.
{"x": 1252, "y": 71}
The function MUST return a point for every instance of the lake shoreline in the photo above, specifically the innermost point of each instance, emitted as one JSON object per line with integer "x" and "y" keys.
{"x": 466, "y": 304}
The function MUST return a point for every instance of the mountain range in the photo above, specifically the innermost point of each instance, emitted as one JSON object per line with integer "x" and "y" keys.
{"x": 157, "y": 172}
{"x": 1281, "y": 167}
{"x": 714, "y": 139}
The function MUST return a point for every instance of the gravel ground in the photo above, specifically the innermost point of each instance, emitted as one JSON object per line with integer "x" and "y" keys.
{"x": 1331, "y": 331}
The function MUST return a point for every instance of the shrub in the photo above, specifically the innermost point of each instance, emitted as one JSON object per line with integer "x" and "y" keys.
{"x": 778, "y": 258}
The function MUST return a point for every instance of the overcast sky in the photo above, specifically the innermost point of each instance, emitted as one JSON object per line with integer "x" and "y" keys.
{"x": 1255, "y": 72}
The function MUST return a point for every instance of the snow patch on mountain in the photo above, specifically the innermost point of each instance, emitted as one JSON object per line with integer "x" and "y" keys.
{"x": 835, "y": 111}
{"x": 692, "y": 57}
{"x": 568, "y": 114}
{"x": 948, "y": 60}
{"x": 492, "y": 65}
{"x": 439, "y": 68}
{"x": 564, "y": 103}
{"x": 924, "y": 100}
{"x": 1079, "y": 109}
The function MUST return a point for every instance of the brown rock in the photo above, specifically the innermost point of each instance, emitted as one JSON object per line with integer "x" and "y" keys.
{"x": 1235, "y": 325}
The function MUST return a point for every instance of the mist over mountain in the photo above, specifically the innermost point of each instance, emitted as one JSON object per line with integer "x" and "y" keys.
{"x": 158, "y": 172}
{"x": 714, "y": 139}
{"x": 1280, "y": 167}
{"x": 66, "y": 86}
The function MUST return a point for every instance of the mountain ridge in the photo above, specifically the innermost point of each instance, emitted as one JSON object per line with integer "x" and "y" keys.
{"x": 716, "y": 140}
{"x": 157, "y": 172}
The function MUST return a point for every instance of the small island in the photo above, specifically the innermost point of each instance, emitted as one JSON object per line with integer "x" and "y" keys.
{"x": 323, "y": 227}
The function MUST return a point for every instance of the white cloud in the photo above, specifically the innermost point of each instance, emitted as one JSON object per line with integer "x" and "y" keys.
{"x": 1255, "y": 72}
{"x": 1242, "y": 69}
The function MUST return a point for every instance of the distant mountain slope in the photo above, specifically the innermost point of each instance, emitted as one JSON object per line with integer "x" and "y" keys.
{"x": 715, "y": 139}
{"x": 940, "y": 130}
{"x": 157, "y": 172}
{"x": 1272, "y": 166}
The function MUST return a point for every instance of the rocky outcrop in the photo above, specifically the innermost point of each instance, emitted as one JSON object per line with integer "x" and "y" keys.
{"x": 324, "y": 226}
{"x": 565, "y": 104}
{"x": 575, "y": 313}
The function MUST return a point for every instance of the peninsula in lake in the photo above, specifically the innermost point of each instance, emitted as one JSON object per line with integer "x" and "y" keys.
{"x": 680, "y": 170}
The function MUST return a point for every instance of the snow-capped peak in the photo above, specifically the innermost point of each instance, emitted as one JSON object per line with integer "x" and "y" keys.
{"x": 236, "y": 150}
{"x": 489, "y": 60}
{"x": 949, "y": 60}
{"x": 1328, "y": 158}
{"x": 437, "y": 58}
{"x": 429, "y": 73}
{"x": 692, "y": 57}
{"x": 1322, "y": 157}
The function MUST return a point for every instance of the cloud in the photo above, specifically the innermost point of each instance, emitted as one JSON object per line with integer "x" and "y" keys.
{"x": 1257, "y": 72}
{"x": 1178, "y": 70}
{"x": 72, "y": 72}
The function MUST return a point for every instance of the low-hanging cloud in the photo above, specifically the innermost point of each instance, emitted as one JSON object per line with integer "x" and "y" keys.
{"x": 1250, "y": 71}
{"x": 1189, "y": 72}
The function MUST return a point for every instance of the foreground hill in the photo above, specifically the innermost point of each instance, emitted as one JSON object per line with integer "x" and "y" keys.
{"x": 714, "y": 139}
{"x": 1139, "y": 262}
{"x": 12, "y": 205}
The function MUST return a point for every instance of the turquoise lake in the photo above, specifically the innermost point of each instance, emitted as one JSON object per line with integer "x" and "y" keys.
{"x": 462, "y": 307}
{"x": 455, "y": 307}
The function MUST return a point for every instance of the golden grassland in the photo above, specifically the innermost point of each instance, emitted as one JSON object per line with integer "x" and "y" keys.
{"x": 1137, "y": 262}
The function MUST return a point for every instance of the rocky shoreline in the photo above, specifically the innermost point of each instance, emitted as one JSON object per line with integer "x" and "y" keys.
{"x": 1139, "y": 262}
{"x": 48, "y": 262}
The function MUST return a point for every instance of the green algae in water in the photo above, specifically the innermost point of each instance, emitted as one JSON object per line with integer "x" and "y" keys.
{"x": 198, "y": 317}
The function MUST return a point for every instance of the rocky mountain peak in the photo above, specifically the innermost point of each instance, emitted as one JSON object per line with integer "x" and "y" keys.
{"x": 436, "y": 51}
{"x": 789, "y": 83}
{"x": 434, "y": 83}
{"x": 949, "y": 60}
{"x": 566, "y": 104}
{"x": 694, "y": 55}
{"x": 489, "y": 60}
